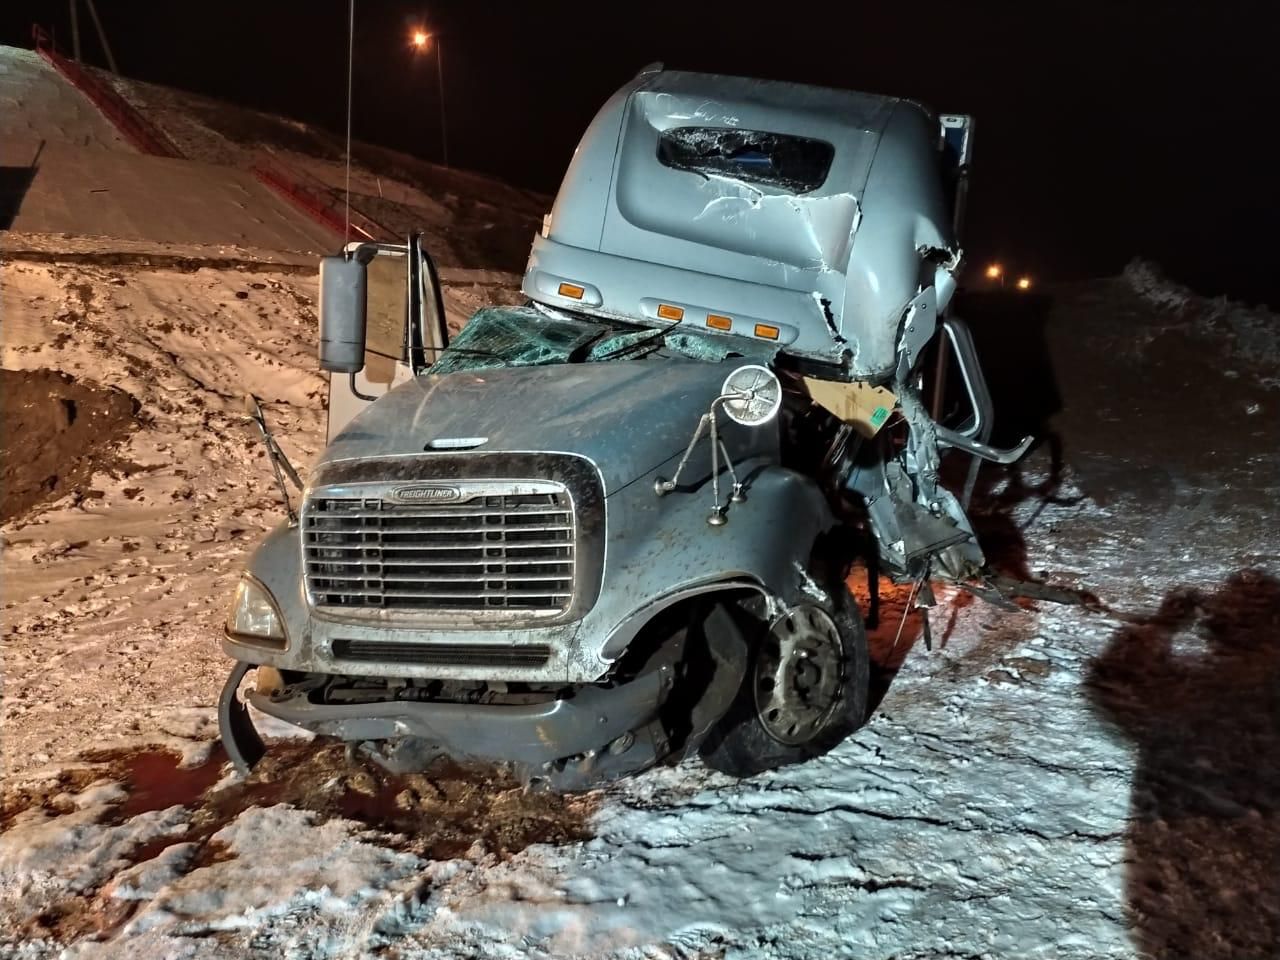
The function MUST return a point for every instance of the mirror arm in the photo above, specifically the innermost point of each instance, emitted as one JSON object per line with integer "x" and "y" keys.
{"x": 361, "y": 253}
{"x": 355, "y": 391}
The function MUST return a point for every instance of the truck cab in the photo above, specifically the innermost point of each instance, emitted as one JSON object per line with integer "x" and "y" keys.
{"x": 611, "y": 527}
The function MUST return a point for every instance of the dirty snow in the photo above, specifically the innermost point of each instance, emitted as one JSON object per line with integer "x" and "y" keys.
{"x": 279, "y": 862}
{"x": 72, "y": 854}
{"x": 997, "y": 804}
{"x": 135, "y": 569}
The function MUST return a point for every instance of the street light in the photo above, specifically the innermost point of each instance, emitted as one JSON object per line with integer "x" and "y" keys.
{"x": 420, "y": 40}
{"x": 1024, "y": 283}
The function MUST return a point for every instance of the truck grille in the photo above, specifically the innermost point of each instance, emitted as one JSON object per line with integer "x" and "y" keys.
{"x": 503, "y": 547}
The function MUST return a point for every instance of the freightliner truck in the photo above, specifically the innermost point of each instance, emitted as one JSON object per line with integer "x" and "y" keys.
{"x": 612, "y": 526}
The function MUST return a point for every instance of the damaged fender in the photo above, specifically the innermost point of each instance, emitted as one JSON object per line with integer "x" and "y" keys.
{"x": 782, "y": 517}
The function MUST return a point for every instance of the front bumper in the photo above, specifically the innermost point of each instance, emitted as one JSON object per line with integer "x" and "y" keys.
{"x": 533, "y": 734}
{"x": 573, "y": 743}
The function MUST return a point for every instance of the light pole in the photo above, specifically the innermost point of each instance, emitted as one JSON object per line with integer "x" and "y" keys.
{"x": 420, "y": 41}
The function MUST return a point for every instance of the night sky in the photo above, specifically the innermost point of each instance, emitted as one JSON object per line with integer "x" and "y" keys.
{"x": 1104, "y": 130}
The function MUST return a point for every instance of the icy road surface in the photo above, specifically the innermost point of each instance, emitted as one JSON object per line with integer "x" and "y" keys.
{"x": 1080, "y": 781}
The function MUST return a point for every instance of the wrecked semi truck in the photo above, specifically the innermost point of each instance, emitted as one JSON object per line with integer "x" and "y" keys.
{"x": 612, "y": 526}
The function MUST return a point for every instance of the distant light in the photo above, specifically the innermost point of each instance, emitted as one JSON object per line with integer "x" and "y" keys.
{"x": 1024, "y": 283}
{"x": 994, "y": 271}
{"x": 420, "y": 38}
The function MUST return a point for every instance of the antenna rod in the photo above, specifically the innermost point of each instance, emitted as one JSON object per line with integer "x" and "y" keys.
{"x": 102, "y": 36}
{"x": 75, "y": 32}
{"x": 351, "y": 48}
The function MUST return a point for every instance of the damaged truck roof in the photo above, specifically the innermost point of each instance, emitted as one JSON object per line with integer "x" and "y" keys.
{"x": 807, "y": 216}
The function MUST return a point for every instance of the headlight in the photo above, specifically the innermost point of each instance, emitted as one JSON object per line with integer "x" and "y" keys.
{"x": 254, "y": 615}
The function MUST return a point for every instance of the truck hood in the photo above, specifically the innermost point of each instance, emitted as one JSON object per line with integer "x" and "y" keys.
{"x": 626, "y": 416}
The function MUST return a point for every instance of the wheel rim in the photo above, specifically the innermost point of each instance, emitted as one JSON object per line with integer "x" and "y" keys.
{"x": 798, "y": 675}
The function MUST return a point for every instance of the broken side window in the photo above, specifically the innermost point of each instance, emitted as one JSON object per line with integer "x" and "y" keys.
{"x": 795, "y": 164}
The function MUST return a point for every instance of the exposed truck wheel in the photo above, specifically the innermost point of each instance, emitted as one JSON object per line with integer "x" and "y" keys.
{"x": 805, "y": 689}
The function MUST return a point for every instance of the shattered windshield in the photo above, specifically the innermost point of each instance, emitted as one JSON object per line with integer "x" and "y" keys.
{"x": 526, "y": 337}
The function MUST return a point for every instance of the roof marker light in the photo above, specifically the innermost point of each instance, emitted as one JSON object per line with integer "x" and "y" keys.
{"x": 571, "y": 290}
{"x": 767, "y": 332}
{"x": 668, "y": 312}
{"x": 719, "y": 322}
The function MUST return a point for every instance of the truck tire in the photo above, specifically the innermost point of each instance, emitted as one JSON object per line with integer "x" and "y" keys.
{"x": 805, "y": 689}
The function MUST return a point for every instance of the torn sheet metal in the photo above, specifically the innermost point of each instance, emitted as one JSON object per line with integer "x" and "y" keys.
{"x": 918, "y": 327}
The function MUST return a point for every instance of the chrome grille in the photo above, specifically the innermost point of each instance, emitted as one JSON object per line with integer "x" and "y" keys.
{"x": 504, "y": 547}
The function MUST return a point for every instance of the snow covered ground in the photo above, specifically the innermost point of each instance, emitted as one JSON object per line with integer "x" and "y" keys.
{"x": 1067, "y": 781}
{"x": 1091, "y": 780}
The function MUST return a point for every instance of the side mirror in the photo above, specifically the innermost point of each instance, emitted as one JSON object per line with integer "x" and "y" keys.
{"x": 752, "y": 395}
{"x": 343, "y": 303}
